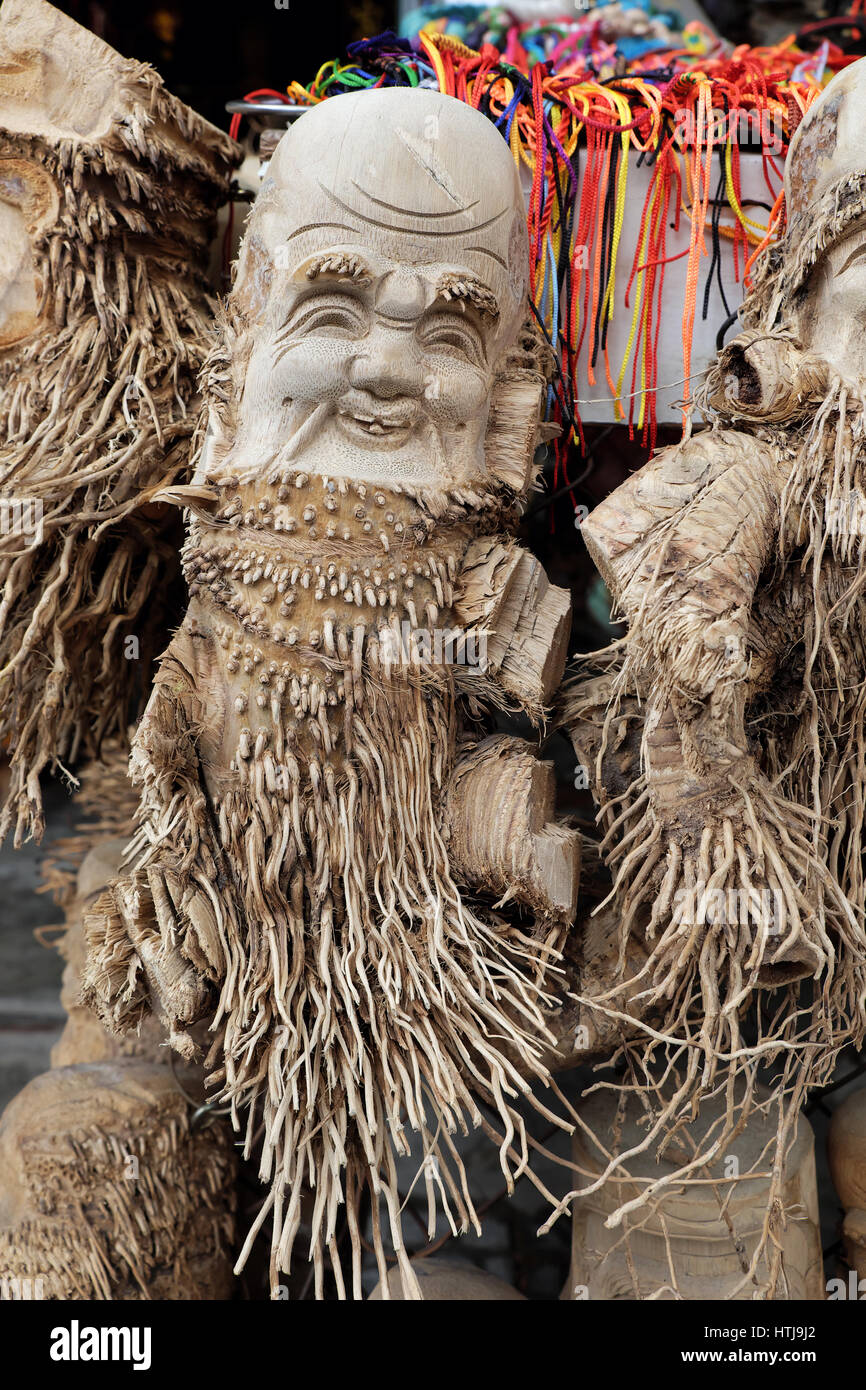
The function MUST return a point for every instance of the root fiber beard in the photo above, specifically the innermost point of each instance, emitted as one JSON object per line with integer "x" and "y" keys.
{"x": 98, "y": 407}
{"x": 294, "y": 848}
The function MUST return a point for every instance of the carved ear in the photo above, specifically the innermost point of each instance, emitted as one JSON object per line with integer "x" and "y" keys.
{"x": 515, "y": 423}
{"x": 766, "y": 377}
{"x": 29, "y": 205}
{"x": 513, "y": 428}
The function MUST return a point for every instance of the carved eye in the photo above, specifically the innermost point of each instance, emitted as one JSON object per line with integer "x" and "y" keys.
{"x": 447, "y": 333}
{"x": 336, "y": 316}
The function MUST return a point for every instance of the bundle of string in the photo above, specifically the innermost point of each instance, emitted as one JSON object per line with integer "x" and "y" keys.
{"x": 579, "y": 117}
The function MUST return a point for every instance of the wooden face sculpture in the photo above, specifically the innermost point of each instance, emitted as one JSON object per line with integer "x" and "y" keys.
{"x": 108, "y": 191}
{"x": 314, "y": 877}
{"x": 378, "y": 298}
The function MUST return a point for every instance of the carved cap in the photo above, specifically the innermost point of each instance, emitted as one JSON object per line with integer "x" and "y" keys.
{"x": 412, "y": 177}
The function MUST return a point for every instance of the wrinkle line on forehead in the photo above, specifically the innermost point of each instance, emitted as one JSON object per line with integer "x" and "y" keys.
{"x": 413, "y": 212}
{"x": 425, "y": 231}
{"x": 320, "y": 226}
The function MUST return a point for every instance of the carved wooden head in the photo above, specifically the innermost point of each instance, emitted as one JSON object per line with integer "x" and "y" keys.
{"x": 98, "y": 164}
{"x": 381, "y": 286}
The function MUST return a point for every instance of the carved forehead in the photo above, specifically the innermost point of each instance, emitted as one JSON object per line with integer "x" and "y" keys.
{"x": 411, "y": 177}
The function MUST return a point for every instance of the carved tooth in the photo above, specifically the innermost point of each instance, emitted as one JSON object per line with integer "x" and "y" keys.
{"x": 301, "y": 480}
{"x": 342, "y": 646}
{"x": 309, "y": 513}
{"x": 432, "y": 613}
{"x": 315, "y": 638}
{"x": 411, "y": 610}
{"x": 261, "y": 700}
{"x": 314, "y": 697}
{"x": 296, "y": 574}
{"x": 409, "y": 582}
{"x": 244, "y": 743}
{"x": 261, "y": 742}
{"x": 370, "y": 595}
{"x": 292, "y": 636}
{"x": 305, "y": 579}
{"x": 330, "y": 648}
{"x": 276, "y": 710}
{"x": 241, "y": 703}
{"x": 386, "y": 544}
{"x": 392, "y": 596}
{"x": 286, "y": 605}
{"x": 440, "y": 593}
{"x": 295, "y": 691}
{"x": 268, "y": 569}
{"x": 382, "y": 596}
{"x": 358, "y": 592}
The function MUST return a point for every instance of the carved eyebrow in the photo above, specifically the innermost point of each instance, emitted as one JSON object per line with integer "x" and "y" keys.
{"x": 465, "y": 289}
{"x": 342, "y": 265}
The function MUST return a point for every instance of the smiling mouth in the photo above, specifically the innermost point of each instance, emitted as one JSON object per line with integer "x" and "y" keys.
{"x": 374, "y": 429}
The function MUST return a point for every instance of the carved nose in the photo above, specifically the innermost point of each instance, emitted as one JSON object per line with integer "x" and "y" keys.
{"x": 387, "y": 370}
